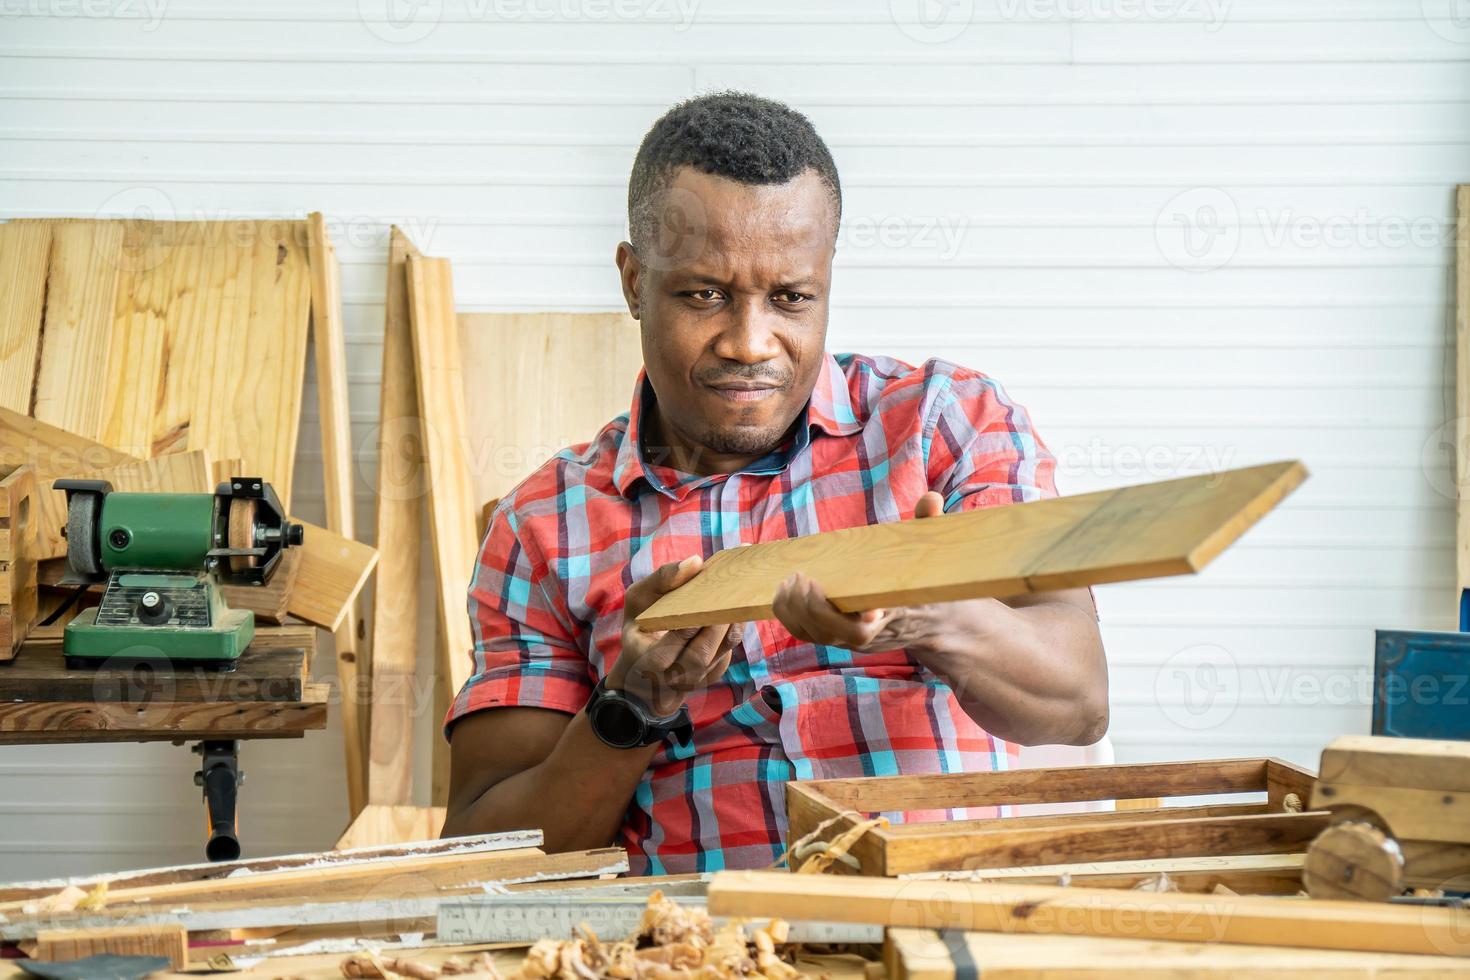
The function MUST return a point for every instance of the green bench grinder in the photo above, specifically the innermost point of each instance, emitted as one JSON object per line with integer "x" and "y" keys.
{"x": 164, "y": 557}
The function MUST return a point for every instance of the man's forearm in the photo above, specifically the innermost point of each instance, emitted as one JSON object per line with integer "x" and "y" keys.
{"x": 1032, "y": 675}
{"x": 577, "y": 795}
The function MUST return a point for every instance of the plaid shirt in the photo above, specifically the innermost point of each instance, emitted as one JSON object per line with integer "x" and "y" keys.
{"x": 546, "y": 602}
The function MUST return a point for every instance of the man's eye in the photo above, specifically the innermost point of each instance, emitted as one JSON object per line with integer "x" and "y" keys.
{"x": 789, "y": 298}
{"x": 704, "y": 295}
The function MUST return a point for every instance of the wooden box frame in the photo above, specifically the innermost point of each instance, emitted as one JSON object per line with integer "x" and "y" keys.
{"x": 1274, "y": 827}
{"x": 17, "y": 558}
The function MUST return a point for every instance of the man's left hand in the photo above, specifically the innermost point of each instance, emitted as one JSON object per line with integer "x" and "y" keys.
{"x": 806, "y": 612}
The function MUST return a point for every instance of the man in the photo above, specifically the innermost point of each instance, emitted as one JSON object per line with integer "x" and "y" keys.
{"x": 744, "y": 429}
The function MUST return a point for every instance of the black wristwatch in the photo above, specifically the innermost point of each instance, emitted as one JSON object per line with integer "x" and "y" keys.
{"x": 625, "y": 721}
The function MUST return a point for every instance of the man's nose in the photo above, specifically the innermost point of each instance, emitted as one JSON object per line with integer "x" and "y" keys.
{"x": 749, "y": 337}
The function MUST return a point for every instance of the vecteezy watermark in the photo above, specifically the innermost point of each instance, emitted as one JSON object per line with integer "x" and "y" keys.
{"x": 1138, "y": 462}
{"x": 1198, "y": 229}
{"x": 1198, "y": 687}
{"x": 932, "y": 21}
{"x": 1361, "y": 229}
{"x": 1450, "y": 19}
{"x": 941, "y": 234}
{"x": 410, "y": 21}
{"x": 1210, "y": 13}
{"x": 148, "y": 12}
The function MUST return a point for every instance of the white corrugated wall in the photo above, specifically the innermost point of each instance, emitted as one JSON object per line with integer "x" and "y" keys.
{"x": 1187, "y": 234}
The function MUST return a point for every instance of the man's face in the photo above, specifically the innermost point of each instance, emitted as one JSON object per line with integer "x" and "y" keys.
{"x": 732, "y": 299}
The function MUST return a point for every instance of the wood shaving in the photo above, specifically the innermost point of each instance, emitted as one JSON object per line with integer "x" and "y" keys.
{"x": 69, "y": 899}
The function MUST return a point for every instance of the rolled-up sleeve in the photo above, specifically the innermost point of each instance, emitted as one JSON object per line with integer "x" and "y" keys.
{"x": 981, "y": 448}
{"x": 524, "y": 651}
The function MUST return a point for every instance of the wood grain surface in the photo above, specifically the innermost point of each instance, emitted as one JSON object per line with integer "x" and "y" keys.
{"x": 1172, "y": 528}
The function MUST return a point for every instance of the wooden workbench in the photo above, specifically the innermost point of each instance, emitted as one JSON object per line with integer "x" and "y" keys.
{"x": 266, "y": 696}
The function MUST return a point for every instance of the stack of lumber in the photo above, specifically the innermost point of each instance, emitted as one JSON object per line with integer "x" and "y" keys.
{"x": 382, "y": 892}
{"x": 165, "y": 356}
{"x": 447, "y": 449}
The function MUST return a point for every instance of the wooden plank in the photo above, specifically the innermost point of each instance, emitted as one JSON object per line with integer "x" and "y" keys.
{"x": 268, "y": 670}
{"x": 46, "y": 722}
{"x": 1062, "y": 784}
{"x": 1462, "y": 386}
{"x": 18, "y": 580}
{"x": 1103, "y": 841}
{"x": 333, "y": 571}
{"x": 18, "y": 893}
{"x": 170, "y": 942}
{"x": 1246, "y": 874}
{"x": 452, "y": 512}
{"x": 924, "y": 954}
{"x": 382, "y": 823}
{"x": 1171, "y": 528}
{"x": 350, "y": 636}
{"x": 356, "y": 894}
{"x": 400, "y": 490}
{"x": 1376, "y": 760}
{"x": 515, "y": 355}
{"x": 270, "y": 602}
{"x": 25, "y": 252}
{"x": 51, "y": 451}
{"x": 81, "y": 295}
{"x": 971, "y": 906}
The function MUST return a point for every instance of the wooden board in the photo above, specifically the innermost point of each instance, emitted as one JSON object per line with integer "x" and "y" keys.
{"x": 511, "y": 360}
{"x": 969, "y": 906}
{"x": 381, "y": 823}
{"x": 45, "y": 723}
{"x": 18, "y": 572}
{"x": 1170, "y": 528}
{"x": 350, "y": 635}
{"x": 1462, "y": 386}
{"x": 924, "y": 954}
{"x": 25, "y": 253}
{"x": 20, "y": 892}
{"x": 170, "y": 942}
{"x": 86, "y": 261}
{"x": 273, "y": 668}
{"x": 1165, "y": 832}
{"x": 400, "y": 490}
{"x": 209, "y": 343}
{"x": 437, "y": 367}
{"x": 1247, "y": 874}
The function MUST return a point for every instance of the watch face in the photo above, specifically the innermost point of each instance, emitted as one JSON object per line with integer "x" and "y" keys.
{"x": 616, "y": 723}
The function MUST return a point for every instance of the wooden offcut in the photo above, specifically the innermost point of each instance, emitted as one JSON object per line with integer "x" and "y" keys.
{"x": 1049, "y": 910}
{"x": 400, "y": 492}
{"x": 25, "y": 252}
{"x": 1172, "y": 528}
{"x": 170, "y": 942}
{"x": 1276, "y": 826}
{"x": 382, "y": 822}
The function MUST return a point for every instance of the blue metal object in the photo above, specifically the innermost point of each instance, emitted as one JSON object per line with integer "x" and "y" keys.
{"x": 1421, "y": 683}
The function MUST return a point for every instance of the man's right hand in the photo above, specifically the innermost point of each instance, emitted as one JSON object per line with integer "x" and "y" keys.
{"x": 663, "y": 666}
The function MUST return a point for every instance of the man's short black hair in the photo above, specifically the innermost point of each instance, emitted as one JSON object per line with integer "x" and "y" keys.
{"x": 735, "y": 135}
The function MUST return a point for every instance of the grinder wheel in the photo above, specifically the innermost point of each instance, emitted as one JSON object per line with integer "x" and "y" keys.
{"x": 83, "y": 556}
{"x": 242, "y": 533}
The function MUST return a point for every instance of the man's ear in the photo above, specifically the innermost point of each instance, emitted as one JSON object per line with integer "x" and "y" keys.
{"x": 630, "y": 270}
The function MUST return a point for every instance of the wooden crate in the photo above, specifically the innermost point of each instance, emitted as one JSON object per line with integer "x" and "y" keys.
{"x": 18, "y": 516}
{"x": 1273, "y": 826}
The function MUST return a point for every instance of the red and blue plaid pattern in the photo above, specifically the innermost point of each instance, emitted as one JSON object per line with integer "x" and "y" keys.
{"x": 546, "y": 602}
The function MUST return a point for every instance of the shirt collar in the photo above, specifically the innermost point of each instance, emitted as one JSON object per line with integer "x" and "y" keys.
{"x": 829, "y": 409}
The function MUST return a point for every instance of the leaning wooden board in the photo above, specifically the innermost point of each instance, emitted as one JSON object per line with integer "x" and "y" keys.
{"x": 1170, "y": 528}
{"x": 967, "y": 906}
{"x": 165, "y": 335}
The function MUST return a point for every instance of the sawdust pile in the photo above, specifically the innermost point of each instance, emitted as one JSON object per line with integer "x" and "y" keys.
{"x": 672, "y": 942}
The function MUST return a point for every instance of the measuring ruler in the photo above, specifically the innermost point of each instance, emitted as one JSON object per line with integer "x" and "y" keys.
{"x": 527, "y": 918}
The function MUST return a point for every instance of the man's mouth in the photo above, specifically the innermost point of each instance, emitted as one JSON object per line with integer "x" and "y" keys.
{"x": 744, "y": 391}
